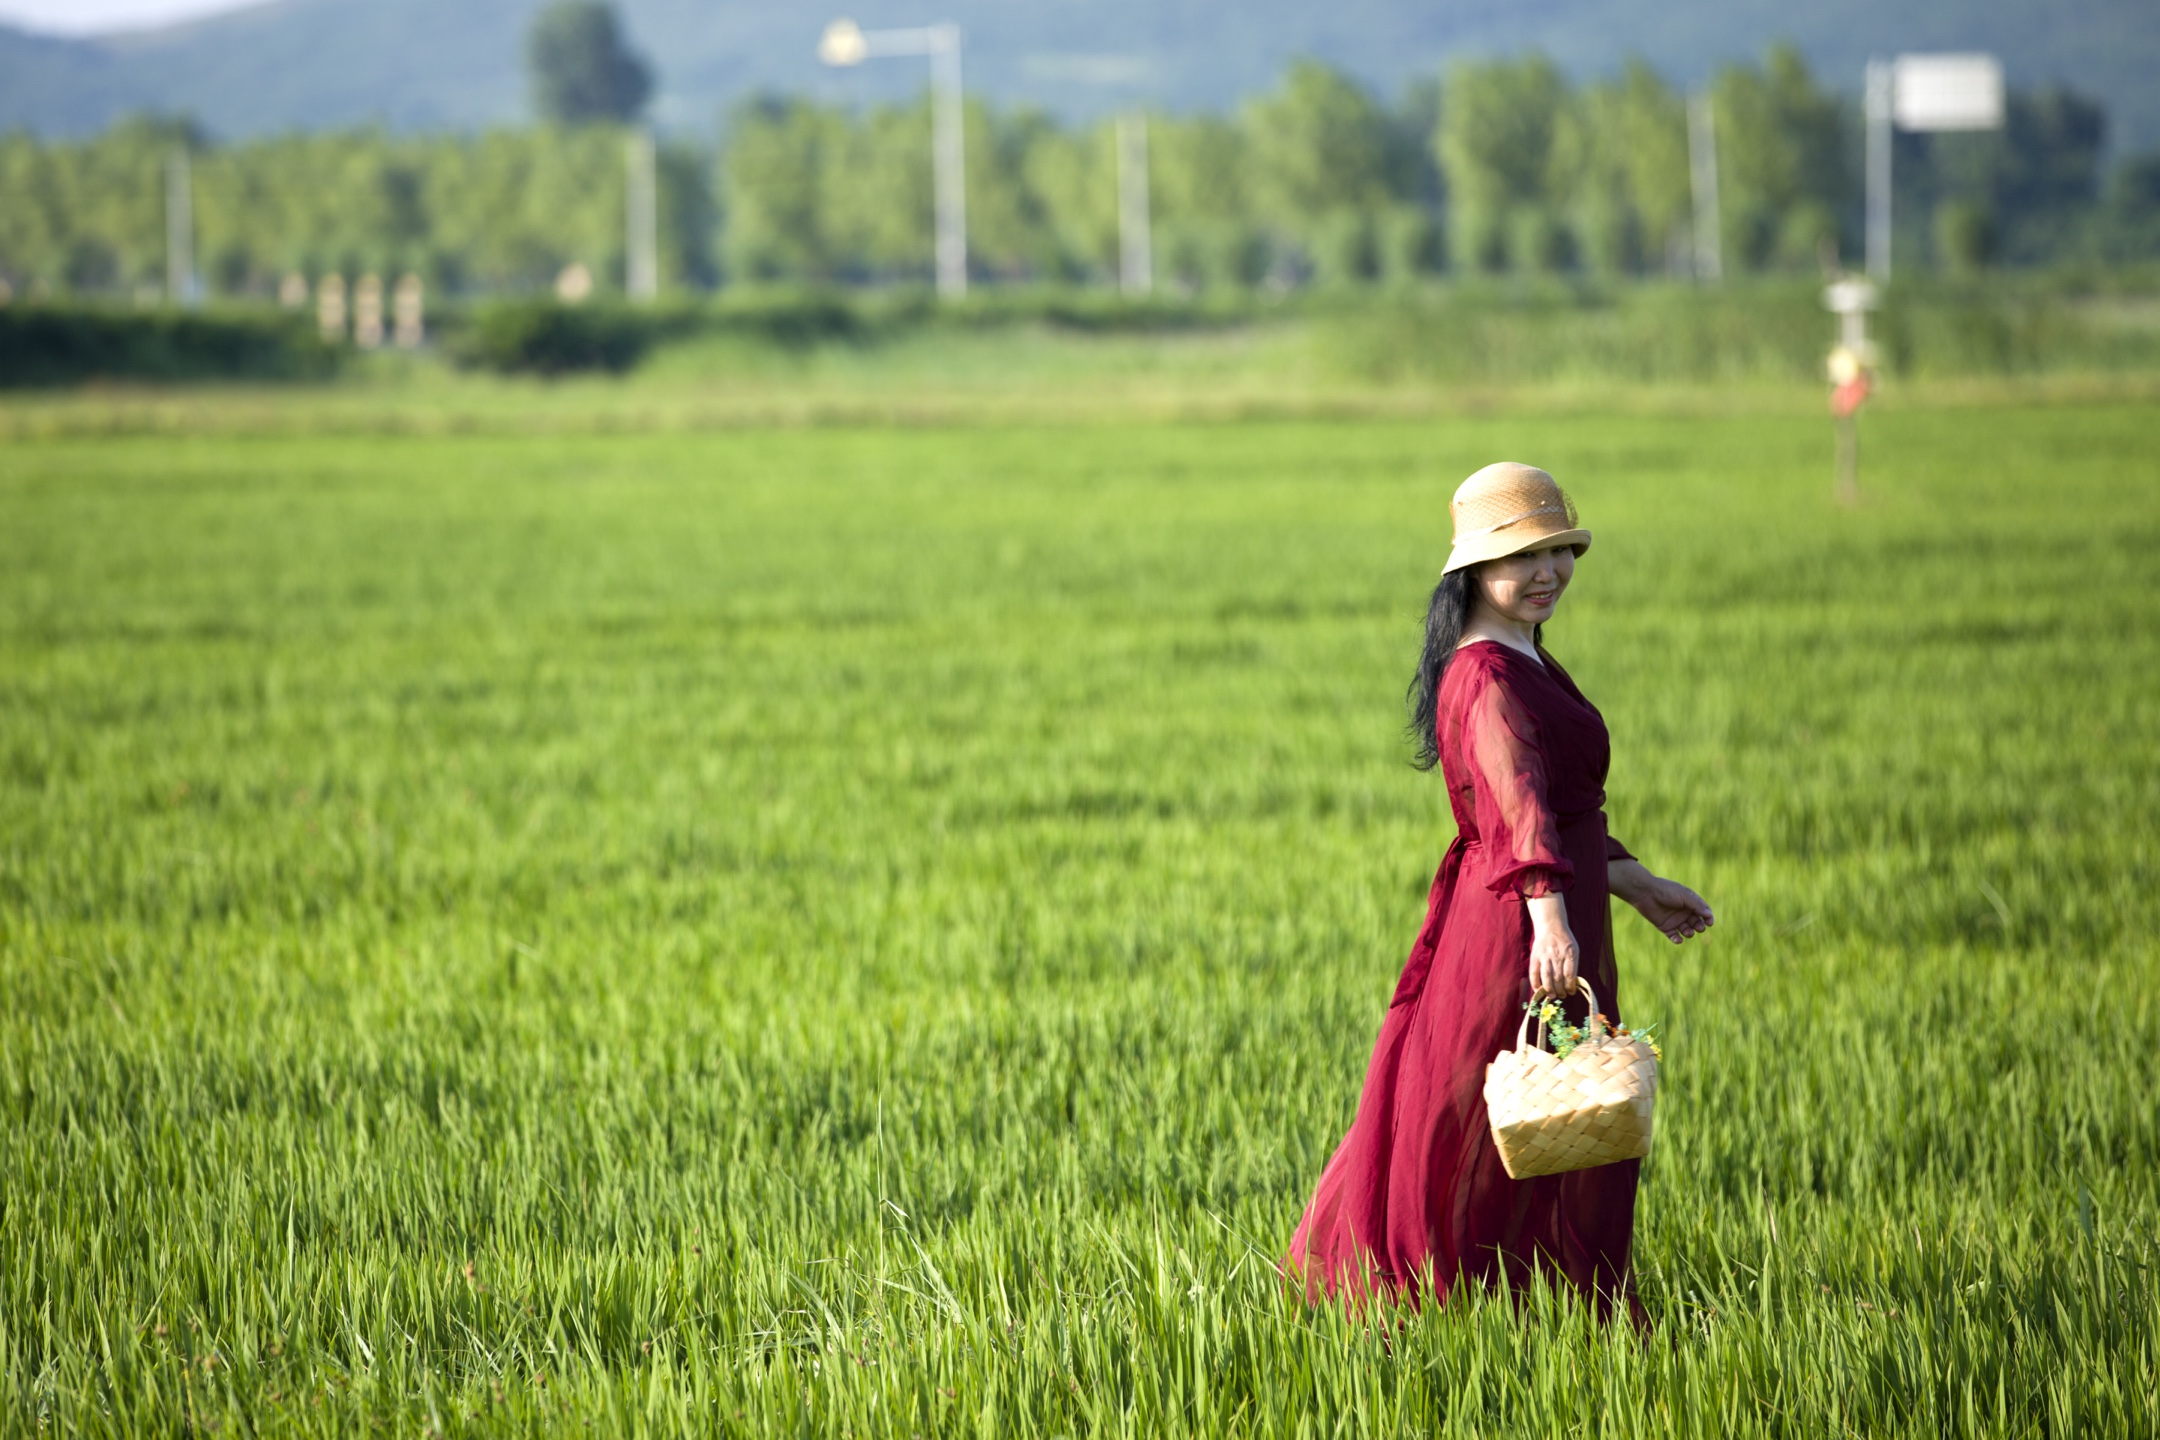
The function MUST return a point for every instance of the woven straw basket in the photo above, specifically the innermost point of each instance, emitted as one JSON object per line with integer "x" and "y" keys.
{"x": 1551, "y": 1115}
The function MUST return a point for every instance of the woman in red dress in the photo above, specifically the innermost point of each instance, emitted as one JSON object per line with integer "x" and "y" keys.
{"x": 1416, "y": 1200}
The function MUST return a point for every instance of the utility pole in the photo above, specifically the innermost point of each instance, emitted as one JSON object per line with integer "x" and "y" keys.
{"x": 1702, "y": 181}
{"x": 1130, "y": 177}
{"x": 641, "y": 206}
{"x": 180, "y": 283}
{"x": 948, "y": 127}
{"x": 1881, "y": 89}
{"x": 846, "y": 43}
{"x": 1136, "y": 248}
{"x": 1924, "y": 93}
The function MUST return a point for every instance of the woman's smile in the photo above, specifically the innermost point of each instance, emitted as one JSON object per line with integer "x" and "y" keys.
{"x": 1522, "y": 589}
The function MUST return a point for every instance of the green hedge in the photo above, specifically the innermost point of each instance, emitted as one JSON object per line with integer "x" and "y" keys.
{"x": 1100, "y": 311}
{"x": 542, "y": 337}
{"x": 1755, "y": 330}
{"x": 66, "y": 345}
{"x": 545, "y": 337}
{"x": 1469, "y": 333}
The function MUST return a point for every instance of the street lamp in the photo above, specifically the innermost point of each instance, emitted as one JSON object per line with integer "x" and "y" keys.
{"x": 1702, "y": 185}
{"x": 641, "y": 216}
{"x": 1136, "y": 250}
{"x": 846, "y": 43}
{"x": 182, "y": 286}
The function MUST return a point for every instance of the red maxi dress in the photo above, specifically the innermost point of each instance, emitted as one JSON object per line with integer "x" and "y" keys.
{"x": 1416, "y": 1198}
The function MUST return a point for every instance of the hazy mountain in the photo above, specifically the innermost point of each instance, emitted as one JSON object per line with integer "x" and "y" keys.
{"x": 431, "y": 63}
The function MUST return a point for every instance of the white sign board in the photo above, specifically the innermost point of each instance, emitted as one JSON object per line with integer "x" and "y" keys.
{"x": 1948, "y": 92}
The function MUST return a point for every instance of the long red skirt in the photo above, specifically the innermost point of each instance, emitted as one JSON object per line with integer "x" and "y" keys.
{"x": 1416, "y": 1200}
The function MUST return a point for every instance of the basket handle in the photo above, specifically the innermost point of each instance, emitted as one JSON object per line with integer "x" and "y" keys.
{"x": 1522, "y": 1031}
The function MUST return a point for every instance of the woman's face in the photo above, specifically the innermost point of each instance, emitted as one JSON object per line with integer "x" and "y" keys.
{"x": 1525, "y": 587}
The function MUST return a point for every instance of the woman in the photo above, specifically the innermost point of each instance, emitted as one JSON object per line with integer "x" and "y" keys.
{"x": 1416, "y": 1197}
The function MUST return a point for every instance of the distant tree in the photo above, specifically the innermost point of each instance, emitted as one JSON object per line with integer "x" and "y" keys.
{"x": 1320, "y": 146}
{"x": 1645, "y": 126}
{"x": 1073, "y": 175}
{"x": 875, "y": 212}
{"x": 1201, "y": 171}
{"x": 2137, "y": 184}
{"x": 1323, "y": 169}
{"x": 1782, "y": 175}
{"x": 582, "y": 67}
{"x": 1590, "y": 178}
{"x": 1199, "y": 165}
{"x": 1413, "y": 163}
{"x": 103, "y": 207}
{"x": 2053, "y": 139}
{"x": 2133, "y": 208}
{"x": 774, "y": 176}
{"x": 1009, "y": 230}
{"x": 2034, "y": 182}
{"x": 1498, "y": 125}
{"x": 1965, "y": 240}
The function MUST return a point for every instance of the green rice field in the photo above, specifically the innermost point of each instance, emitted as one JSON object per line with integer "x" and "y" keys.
{"x": 873, "y": 929}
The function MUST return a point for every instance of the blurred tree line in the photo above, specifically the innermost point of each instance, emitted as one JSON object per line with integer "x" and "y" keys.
{"x": 1501, "y": 166}
{"x": 502, "y": 211}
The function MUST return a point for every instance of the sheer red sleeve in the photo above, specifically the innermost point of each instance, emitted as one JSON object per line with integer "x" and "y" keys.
{"x": 1521, "y": 838}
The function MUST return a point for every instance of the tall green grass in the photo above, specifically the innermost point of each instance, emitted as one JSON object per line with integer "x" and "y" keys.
{"x": 876, "y": 931}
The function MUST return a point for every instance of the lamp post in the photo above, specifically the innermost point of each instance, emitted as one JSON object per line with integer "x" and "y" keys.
{"x": 1129, "y": 146}
{"x": 1702, "y": 186}
{"x": 181, "y": 285}
{"x": 641, "y": 217}
{"x": 1136, "y": 250}
{"x": 1876, "y": 105}
{"x": 846, "y": 43}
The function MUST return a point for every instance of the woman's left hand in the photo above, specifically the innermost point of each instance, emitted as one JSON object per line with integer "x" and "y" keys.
{"x": 1678, "y": 912}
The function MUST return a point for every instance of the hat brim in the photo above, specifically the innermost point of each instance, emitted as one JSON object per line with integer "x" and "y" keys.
{"x": 1482, "y": 548}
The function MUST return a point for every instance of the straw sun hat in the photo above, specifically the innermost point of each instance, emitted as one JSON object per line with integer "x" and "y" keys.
{"x": 1507, "y": 508}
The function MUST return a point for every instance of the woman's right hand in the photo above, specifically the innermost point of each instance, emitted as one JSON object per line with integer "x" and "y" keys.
{"x": 1555, "y": 958}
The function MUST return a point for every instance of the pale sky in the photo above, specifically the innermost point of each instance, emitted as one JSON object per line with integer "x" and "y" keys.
{"x": 89, "y": 17}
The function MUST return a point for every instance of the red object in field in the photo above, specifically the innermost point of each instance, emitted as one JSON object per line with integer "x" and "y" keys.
{"x": 1846, "y": 398}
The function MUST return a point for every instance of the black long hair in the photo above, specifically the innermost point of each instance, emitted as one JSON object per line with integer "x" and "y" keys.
{"x": 1445, "y": 620}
